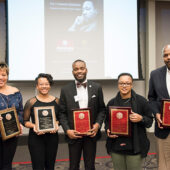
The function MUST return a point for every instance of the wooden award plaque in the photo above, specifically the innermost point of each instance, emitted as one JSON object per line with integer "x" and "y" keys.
{"x": 119, "y": 123}
{"x": 45, "y": 119}
{"x": 165, "y": 113}
{"x": 10, "y": 125}
{"x": 82, "y": 120}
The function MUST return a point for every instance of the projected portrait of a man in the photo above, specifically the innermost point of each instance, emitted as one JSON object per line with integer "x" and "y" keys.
{"x": 74, "y": 28}
{"x": 87, "y": 21}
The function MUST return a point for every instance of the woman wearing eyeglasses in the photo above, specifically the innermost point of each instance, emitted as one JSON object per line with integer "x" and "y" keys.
{"x": 10, "y": 97}
{"x": 42, "y": 144}
{"x": 127, "y": 152}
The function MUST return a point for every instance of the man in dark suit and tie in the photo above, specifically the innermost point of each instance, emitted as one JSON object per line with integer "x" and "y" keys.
{"x": 82, "y": 93}
{"x": 159, "y": 88}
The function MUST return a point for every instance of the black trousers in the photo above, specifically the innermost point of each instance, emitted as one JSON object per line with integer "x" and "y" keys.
{"x": 88, "y": 146}
{"x": 43, "y": 150}
{"x": 7, "y": 152}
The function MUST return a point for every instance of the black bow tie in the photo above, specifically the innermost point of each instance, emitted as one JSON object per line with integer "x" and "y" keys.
{"x": 81, "y": 84}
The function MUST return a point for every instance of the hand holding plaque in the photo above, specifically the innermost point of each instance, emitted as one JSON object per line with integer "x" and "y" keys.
{"x": 165, "y": 113}
{"x": 82, "y": 120}
{"x": 10, "y": 125}
{"x": 92, "y": 132}
{"x": 119, "y": 123}
{"x": 56, "y": 127}
{"x": 45, "y": 119}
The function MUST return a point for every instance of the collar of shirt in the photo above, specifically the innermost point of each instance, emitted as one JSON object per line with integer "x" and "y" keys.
{"x": 168, "y": 71}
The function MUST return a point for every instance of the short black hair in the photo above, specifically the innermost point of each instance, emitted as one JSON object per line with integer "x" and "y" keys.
{"x": 44, "y": 75}
{"x": 78, "y": 60}
{"x": 125, "y": 74}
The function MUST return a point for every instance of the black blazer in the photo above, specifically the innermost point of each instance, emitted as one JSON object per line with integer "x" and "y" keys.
{"x": 67, "y": 103}
{"x": 157, "y": 91}
{"x": 142, "y": 108}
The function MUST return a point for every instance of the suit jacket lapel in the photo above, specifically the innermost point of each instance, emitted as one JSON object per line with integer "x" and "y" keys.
{"x": 90, "y": 91}
{"x": 74, "y": 93}
{"x": 165, "y": 89}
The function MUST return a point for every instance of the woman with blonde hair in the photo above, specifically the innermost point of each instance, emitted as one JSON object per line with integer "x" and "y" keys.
{"x": 9, "y": 97}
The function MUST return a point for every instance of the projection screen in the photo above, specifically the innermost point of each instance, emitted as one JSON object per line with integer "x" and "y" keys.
{"x": 48, "y": 35}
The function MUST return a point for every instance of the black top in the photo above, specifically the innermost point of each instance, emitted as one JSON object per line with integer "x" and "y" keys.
{"x": 34, "y": 102}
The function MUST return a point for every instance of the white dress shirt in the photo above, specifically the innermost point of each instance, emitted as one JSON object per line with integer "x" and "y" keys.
{"x": 168, "y": 80}
{"x": 82, "y": 95}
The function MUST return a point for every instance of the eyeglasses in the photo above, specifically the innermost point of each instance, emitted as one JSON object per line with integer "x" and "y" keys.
{"x": 124, "y": 84}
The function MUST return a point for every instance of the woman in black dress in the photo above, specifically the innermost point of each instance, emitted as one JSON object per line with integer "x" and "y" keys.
{"x": 42, "y": 145}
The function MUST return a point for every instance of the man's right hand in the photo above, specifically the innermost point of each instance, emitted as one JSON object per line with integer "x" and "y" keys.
{"x": 158, "y": 118}
{"x": 73, "y": 134}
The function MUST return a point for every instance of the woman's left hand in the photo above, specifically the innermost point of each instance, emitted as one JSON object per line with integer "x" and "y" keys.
{"x": 21, "y": 127}
{"x": 111, "y": 135}
{"x": 135, "y": 117}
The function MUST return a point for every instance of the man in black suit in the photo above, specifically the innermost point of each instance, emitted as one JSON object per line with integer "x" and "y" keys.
{"x": 159, "y": 88}
{"x": 82, "y": 94}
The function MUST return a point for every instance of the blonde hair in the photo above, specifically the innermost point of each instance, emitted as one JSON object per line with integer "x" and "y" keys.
{"x": 4, "y": 66}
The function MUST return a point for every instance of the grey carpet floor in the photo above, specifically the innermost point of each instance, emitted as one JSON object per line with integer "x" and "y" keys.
{"x": 22, "y": 159}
